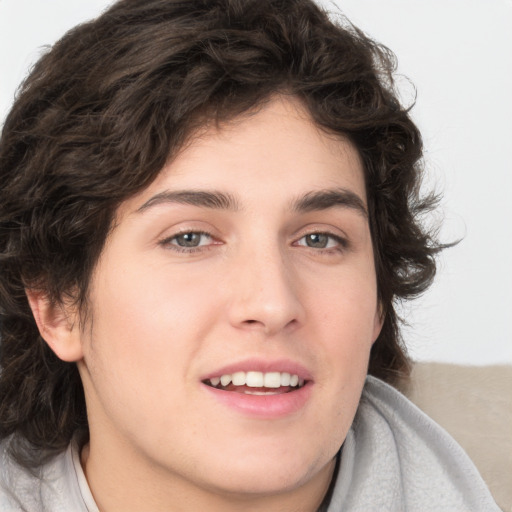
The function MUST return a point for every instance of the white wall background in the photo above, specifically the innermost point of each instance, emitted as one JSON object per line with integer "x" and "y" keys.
{"x": 458, "y": 53}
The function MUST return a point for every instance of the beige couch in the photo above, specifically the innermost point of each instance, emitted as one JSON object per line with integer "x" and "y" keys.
{"x": 474, "y": 404}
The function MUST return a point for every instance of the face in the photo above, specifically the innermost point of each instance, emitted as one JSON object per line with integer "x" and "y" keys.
{"x": 233, "y": 310}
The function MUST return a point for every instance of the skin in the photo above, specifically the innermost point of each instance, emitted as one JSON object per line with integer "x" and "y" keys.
{"x": 261, "y": 285}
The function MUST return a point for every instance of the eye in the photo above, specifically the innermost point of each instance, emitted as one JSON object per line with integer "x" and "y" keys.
{"x": 188, "y": 240}
{"x": 321, "y": 241}
{"x": 191, "y": 239}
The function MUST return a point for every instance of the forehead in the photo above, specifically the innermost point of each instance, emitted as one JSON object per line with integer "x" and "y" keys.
{"x": 276, "y": 153}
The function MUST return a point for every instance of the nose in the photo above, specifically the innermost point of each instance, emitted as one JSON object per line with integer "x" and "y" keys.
{"x": 264, "y": 293}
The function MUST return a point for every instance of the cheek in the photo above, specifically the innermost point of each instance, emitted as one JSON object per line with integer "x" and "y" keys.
{"x": 345, "y": 332}
{"x": 343, "y": 337}
{"x": 348, "y": 306}
{"x": 144, "y": 337}
{"x": 150, "y": 324}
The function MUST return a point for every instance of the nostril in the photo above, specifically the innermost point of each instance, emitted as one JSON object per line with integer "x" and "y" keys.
{"x": 250, "y": 321}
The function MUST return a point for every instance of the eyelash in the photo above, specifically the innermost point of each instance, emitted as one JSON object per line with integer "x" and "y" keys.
{"x": 341, "y": 243}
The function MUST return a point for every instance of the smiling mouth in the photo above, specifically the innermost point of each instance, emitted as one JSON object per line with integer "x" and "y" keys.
{"x": 257, "y": 383}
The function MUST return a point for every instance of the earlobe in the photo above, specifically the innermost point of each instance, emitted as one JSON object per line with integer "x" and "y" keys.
{"x": 58, "y": 325}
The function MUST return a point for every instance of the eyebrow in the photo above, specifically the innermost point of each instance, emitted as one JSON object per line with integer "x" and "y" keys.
{"x": 311, "y": 201}
{"x": 329, "y": 198}
{"x": 202, "y": 198}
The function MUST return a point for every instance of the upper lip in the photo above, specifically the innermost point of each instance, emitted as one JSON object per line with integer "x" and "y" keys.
{"x": 264, "y": 366}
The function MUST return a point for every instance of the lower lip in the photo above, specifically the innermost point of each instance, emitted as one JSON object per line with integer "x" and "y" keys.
{"x": 263, "y": 406}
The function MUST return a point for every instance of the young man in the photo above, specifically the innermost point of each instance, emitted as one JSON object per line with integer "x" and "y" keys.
{"x": 208, "y": 209}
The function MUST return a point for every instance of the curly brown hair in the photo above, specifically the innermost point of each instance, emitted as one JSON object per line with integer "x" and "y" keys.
{"x": 102, "y": 112}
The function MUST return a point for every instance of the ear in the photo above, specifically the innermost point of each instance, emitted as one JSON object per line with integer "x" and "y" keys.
{"x": 378, "y": 321}
{"x": 58, "y": 325}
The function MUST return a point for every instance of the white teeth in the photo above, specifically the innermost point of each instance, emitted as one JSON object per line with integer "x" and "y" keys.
{"x": 285, "y": 379}
{"x": 254, "y": 379}
{"x": 238, "y": 379}
{"x": 225, "y": 380}
{"x": 272, "y": 380}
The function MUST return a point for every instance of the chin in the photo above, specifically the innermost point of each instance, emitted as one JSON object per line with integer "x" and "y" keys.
{"x": 262, "y": 483}
{"x": 268, "y": 473}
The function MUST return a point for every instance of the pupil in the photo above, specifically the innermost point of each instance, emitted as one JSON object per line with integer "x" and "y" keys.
{"x": 188, "y": 239}
{"x": 317, "y": 240}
